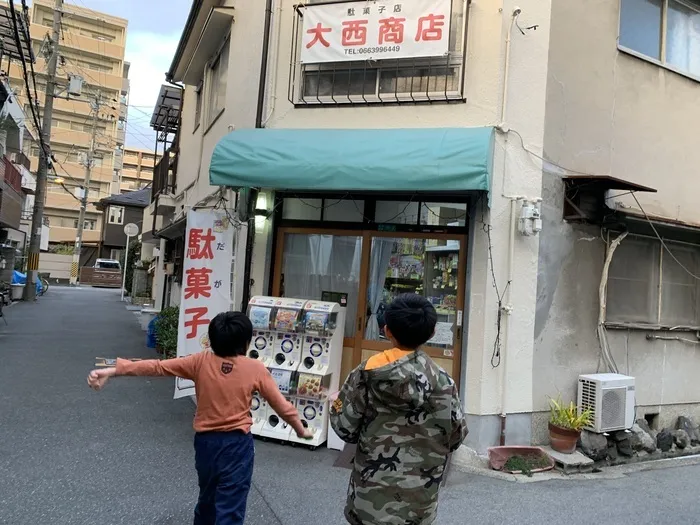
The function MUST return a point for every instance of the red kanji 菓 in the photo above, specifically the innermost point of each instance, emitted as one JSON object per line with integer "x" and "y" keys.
{"x": 391, "y": 30}
{"x": 318, "y": 32}
{"x": 430, "y": 28}
{"x": 198, "y": 319}
{"x": 198, "y": 284}
{"x": 199, "y": 246}
{"x": 355, "y": 32}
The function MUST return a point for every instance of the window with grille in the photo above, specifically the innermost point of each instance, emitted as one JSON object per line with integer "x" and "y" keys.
{"x": 407, "y": 80}
{"x": 654, "y": 285}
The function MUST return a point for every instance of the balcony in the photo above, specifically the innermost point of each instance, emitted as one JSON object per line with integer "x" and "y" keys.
{"x": 165, "y": 173}
{"x": 19, "y": 158}
{"x": 67, "y": 235}
{"x": 10, "y": 195}
{"x": 86, "y": 45}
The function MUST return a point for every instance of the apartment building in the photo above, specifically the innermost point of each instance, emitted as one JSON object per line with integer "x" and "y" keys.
{"x": 573, "y": 113}
{"x": 92, "y": 46}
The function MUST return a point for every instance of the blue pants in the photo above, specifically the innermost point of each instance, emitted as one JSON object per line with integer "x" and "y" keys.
{"x": 224, "y": 462}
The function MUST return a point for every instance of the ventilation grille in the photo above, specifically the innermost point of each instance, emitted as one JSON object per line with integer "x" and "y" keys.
{"x": 613, "y": 408}
{"x": 588, "y": 400}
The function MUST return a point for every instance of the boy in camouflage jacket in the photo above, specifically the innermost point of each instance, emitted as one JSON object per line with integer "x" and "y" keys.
{"x": 404, "y": 413}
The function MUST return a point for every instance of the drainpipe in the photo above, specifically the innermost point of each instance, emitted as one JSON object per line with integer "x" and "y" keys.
{"x": 506, "y": 73}
{"x": 507, "y": 311}
{"x": 252, "y": 198}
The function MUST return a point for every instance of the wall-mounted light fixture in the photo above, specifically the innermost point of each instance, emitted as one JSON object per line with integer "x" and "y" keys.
{"x": 261, "y": 212}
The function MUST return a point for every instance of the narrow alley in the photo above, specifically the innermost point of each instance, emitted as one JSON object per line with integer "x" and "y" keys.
{"x": 71, "y": 456}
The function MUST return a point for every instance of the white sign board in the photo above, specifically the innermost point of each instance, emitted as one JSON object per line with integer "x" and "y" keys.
{"x": 131, "y": 230}
{"x": 375, "y": 30}
{"x": 206, "y": 283}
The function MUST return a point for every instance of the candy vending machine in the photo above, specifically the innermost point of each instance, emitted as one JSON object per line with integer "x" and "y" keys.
{"x": 319, "y": 372}
{"x": 261, "y": 313}
{"x": 288, "y": 339}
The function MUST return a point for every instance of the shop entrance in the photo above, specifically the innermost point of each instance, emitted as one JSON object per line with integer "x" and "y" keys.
{"x": 370, "y": 268}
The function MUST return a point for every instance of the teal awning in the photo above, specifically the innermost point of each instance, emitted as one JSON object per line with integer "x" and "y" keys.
{"x": 443, "y": 159}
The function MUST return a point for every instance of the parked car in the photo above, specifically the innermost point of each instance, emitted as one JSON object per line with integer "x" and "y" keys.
{"x": 108, "y": 264}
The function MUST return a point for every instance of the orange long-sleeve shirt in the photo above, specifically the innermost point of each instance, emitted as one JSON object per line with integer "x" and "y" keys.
{"x": 224, "y": 388}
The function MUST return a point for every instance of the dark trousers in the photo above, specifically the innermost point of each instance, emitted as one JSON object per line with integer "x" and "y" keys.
{"x": 224, "y": 462}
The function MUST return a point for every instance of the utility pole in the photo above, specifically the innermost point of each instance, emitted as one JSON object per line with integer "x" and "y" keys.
{"x": 40, "y": 197}
{"x": 75, "y": 266}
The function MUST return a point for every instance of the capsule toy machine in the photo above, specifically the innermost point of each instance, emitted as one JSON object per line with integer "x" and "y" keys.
{"x": 288, "y": 337}
{"x": 274, "y": 427}
{"x": 319, "y": 372}
{"x": 261, "y": 312}
{"x": 258, "y": 411}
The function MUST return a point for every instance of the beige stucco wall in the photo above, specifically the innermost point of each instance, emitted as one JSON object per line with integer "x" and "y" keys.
{"x": 516, "y": 172}
{"x": 609, "y": 113}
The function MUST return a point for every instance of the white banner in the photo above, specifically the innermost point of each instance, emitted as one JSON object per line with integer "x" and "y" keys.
{"x": 206, "y": 283}
{"x": 375, "y": 30}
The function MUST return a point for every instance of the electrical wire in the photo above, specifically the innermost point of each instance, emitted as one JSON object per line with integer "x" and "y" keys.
{"x": 661, "y": 240}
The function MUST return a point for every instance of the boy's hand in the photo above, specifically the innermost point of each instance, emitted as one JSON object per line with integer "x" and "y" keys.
{"x": 98, "y": 378}
{"x": 307, "y": 434}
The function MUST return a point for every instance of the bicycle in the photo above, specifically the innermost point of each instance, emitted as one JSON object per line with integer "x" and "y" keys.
{"x": 44, "y": 286}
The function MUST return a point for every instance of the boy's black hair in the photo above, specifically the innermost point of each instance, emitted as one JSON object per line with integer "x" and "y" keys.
{"x": 411, "y": 319}
{"x": 230, "y": 334}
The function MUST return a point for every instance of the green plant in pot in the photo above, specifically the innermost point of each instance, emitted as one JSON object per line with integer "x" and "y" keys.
{"x": 166, "y": 331}
{"x": 565, "y": 425}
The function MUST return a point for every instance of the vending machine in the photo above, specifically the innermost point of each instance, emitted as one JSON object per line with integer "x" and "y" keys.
{"x": 258, "y": 411}
{"x": 261, "y": 312}
{"x": 288, "y": 326}
{"x": 274, "y": 427}
{"x": 319, "y": 372}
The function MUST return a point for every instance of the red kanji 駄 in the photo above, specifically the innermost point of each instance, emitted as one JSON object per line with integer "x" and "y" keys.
{"x": 196, "y": 321}
{"x": 317, "y": 32}
{"x": 391, "y": 30}
{"x": 430, "y": 28}
{"x": 199, "y": 245}
{"x": 198, "y": 284}
{"x": 355, "y": 32}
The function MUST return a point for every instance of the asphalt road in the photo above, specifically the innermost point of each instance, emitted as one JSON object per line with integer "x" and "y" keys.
{"x": 71, "y": 456}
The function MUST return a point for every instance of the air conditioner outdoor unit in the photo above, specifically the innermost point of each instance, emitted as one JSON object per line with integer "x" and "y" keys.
{"x": 610, "y": 398}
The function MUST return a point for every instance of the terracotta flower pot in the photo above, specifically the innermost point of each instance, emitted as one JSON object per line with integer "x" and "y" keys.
{"x": 563, "y": 439}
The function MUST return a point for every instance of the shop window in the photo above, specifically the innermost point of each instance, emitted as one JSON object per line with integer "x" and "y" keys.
{"x": 664, "y": 30}
{"x": 443, "y": 214}
{"x": 651, "y": 285}
{"x": 396, "y": 212}
{"x": 313, "y": 264}
{"x": 347, "y": 210}
{"x": 428, "y": 267}
{"x": 116, "y": 215}
{"x": 407, "y": 80}
{"x": 329, "y": 210}
{"x": 302, "y": 209}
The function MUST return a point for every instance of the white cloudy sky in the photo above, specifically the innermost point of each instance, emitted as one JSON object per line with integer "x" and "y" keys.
{"x": 154, "y": 30}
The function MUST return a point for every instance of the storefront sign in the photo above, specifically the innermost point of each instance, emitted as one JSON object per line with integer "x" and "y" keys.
{"x": 375, "y": 30}
{"x": 206, "y": 283}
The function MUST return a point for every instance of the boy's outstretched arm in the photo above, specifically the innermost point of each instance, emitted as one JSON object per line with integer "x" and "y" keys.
{"x": 459, "y": 422}
{"x": 185, "y": 367}
{"x": 348, "y": 410}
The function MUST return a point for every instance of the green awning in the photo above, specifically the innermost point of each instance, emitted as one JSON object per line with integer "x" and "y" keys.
{"x": 442, "y": 159}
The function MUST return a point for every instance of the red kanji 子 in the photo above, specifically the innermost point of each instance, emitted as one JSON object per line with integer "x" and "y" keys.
{"x": 199, "y": 246}
{"x": 430, "y": 28}
{"x": 318, "y": 32}
{"x": 198, "y": 284}
{"x": 355, "y": 32}
{"x": 391, "y": 30}
{"x": 197, "y": 319}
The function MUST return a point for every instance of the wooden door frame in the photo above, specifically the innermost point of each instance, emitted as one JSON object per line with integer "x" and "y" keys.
{"x": 358, "y": 343}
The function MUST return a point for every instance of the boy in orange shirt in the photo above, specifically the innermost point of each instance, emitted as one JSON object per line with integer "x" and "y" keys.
{"x": 225, "y": 380}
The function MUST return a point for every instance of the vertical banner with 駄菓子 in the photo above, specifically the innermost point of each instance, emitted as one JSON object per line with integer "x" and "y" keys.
{"x": 378, "y": 30}
{"x": 206, "y": 283}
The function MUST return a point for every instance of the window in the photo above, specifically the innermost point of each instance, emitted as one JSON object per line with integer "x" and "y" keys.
{"x": 116, "y": 215}
{"x": 198, "y": 106}
{"x": 88, "y": 224}
{"x": 403, "y": 80}
{"x": 664, "y": 30}
{"x": 115, "y": 255}
{"x": 648, "y": 285}
{"x": 336, "y": 210}
{"x": 217, "y": 84}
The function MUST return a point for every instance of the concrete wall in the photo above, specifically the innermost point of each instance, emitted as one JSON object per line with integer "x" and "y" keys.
{"x": 609, "y": 113}
{"x": 57, "y": 265}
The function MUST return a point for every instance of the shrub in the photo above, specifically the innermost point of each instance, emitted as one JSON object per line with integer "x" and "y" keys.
{"x": 166, "y": 330}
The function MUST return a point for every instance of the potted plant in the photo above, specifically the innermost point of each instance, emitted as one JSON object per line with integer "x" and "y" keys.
{"x": 166, "y": 331}
{"x": 565, "y": 425}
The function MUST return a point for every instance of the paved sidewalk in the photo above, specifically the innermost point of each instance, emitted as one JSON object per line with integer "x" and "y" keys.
{"x": 124, "y": 456}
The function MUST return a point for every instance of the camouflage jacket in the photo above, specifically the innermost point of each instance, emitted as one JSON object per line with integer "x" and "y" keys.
{"x": 406, "y": 418}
